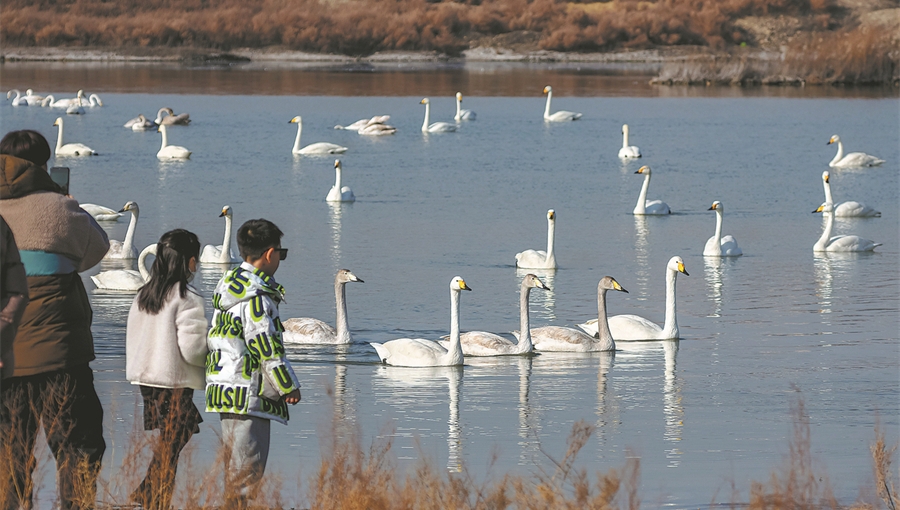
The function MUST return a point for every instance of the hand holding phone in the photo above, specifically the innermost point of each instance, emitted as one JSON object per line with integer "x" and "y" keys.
{"x": 60, "y": 175}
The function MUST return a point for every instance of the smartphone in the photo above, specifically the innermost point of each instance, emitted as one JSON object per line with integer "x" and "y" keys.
{"x": 60, "y": 175}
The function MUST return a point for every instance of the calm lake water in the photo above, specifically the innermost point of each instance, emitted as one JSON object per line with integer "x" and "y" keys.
{"x": 758, "y": 332}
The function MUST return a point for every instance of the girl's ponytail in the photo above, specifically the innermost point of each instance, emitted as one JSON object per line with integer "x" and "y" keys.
{"x": 172, "y": 266}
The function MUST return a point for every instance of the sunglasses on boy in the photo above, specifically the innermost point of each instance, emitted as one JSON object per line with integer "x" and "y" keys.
{"x": 282, "y": 253}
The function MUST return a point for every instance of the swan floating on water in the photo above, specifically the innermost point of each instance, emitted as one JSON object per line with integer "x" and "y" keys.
{"x": 482, "y": 343}
{"x": 63, "y": 103}
{"x": 564, "y": 339}
{"x": 125, "y": 249}
{"x": 560, "y": 116}
{"x": 418, "y": 352}
{"x": 719, "y": 245}
{"x": 460, "y": 113}
{"x": 70, "y": 149}
{"x": 376, "y": 126}
{"x": 437, "y": 127}
{"x": 125, "y": 280}
{"x": 850, "y": 208}
{"x": 167, "y": 151}
{"x": 313, "y": 148}
{"x": 852, "y": 160}
{"x": 221, "y": 254}
{"x": 141, "y": 123}
{"x": 645, "y": 206}
{"x": 29, "y": 99}
{"x": 101, "y": 213}
{"x": 842, "y": 243}
{"x": 539, "y": 259}
{"x": 313, "y": 331}
{"x": 339, "y": 193}
{"x": 170, "y": 119}
{"x": 628, "y": 151}
{"x": 635, "y": 327}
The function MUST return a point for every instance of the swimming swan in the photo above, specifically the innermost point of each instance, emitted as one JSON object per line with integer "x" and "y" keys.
{"x": 32, "y": 99}
{"x": 167, "y": 151}
{"x": 141, "y": 123}
{"x": 852, "y": 160}
{"x": 843, "y": 243}
{"x": 125, "y": 249}
{"x": 221, "y": 254}
{"x": 645, "y": 206}
{"x": 635, "y": 327}
{"x": 339, "y": 193}
{"x": 101, "y": 213}
{"x": 418, "y": 352}
{"x": 719, "y": 245}
{"x": 70, "y": 149}
{"x": 376, "y": 126}
{"x": 460, "y": 113}
{"x": 628, "y": 151}
{"x": 313, "y": 148}
{"x": 170, "y": 119}
{"x": 126, "y": 280}
{"x": 313, "y": 331}
{"x": 560, "y": 116}
{"x": 539, "y": 259}
{"x": 482, "y": 343}
{"x": 63, "y": 103}
{"x": 563, "y": 339}
{"x": 437, "y": 127}
{"x": 21, "y": 100}
{"x": 849, "y": 208}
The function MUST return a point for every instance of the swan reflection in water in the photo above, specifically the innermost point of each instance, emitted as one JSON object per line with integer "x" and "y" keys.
{"x": 827, "y": 266}
{"x": 713, "y": 272}
{"x": 402, "y": 379}
{"x": 335, "y": 210}
{"x": 642, "y": 256}
{"x": 546, "y": 300}
{"x": 344, "y": 406}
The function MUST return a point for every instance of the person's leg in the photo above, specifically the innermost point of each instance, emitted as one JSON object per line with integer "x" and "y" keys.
{"x": 73, "y": 422}
{"x": 20, "y": 405}
{"x": 246, "y": 442}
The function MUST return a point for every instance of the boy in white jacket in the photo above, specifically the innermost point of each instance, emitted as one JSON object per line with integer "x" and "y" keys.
{"x": 248, "y": 379}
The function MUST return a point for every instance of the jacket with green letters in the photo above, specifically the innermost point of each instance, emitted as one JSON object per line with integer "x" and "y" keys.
{"x": 246, "y": 368}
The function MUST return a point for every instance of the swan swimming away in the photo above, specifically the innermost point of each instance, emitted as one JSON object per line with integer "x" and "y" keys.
{"x": 125, "y": 249}
{"x": 482, "y": 343}
{"x": 560, "y": 116}
{"x": 70, "y": 149}
{"x": 339, "y": 193}
{"x": 645, "y": 206}
{"x": 376, "y": 126}
{"x": 418, "y": 352}
{"x": 563, "y": 339}
{"x": 141, "y": 123}
{"x": 539, "y": 259}
{"x": 852, "y": 160}
{"x": 125, "y": 280}
{"x": 628, "y": 151}
{"x": 635, "y": 327}
{"x": 167, "y": 151}
{"x": 101, "y": 213}
{"x": 719, "y": 245}
{"x": 170, "y": 119}
{"x": 460, "y": 113}
{"x": 842, "y": 243}
{"x": 75, "y": 109}
{"x": 221, "y": 254}
{"x": 849, "y": 208}
{"x": 63, "y": 103}
{"x": 313, "y": 331}
{"x": 313, "y": 148}
{"x": 437, "y": 127}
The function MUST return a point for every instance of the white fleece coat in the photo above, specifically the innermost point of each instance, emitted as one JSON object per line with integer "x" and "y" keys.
{"x": 168, "y": 350}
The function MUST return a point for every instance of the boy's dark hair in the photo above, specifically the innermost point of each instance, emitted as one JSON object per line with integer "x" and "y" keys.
{"x": 256, "y": 236}
{"x": 26, "y": 144}
{"x": 171, "y": 267}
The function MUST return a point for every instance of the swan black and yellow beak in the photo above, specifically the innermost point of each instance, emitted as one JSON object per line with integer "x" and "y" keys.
{"x": 222, "y": 213}
{"x": 546, "y": 89}
{"x": 712, "y": 207}
{"x": 618, "y": 287}
{"x": 681, "y": 269}
{"x": 819, "y": 209}
{"x": 826, "y": 178}
{"x": 641, "y": 169}
{"x": 463, "y": 286}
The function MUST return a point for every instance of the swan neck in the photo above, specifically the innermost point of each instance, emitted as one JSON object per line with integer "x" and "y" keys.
{"x": 128, "y": 244}
{"x": 670, "y": 328}
{"x": 454, "y": 353}
{"x": 547, "y": 106}
{"x": 840, "y": 153}
{"x": 603, "y": 334}
{"x": 827, "y": 186}
{"x": 641, "y": 205}
{"x": 525, "y": 343}
{"x": 225, "y": 256}
{"x": 551, "y": 236}
{"x": 342, "y": 325}
{"x": 458, "y": 109}
{"x": 297, "y": 139}
{"x": 165, "y": 137}
{"x": 337, "y": 178}
{"x": 427, "y": 116}
{"x": 142, "y": 262}
{"x": 59, "y": 137}
{"x": 625, "y": 138}
{"x": 822, "y": 243}
{"x": 719, "y": 218}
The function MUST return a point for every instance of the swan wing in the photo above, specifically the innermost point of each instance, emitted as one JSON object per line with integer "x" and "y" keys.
{"x": 117, "y": 251}
{"x": 730, "y": 246}
{"x": 629, "y": 152}
{"x": 118, "y": 280}
{"x": 855, "y": 209}
{"x": 562, "y": 116}
{"x": 633, "y": 327}
{"x": 858, "y": 159}
{"x": 75, "y": 149}
{"x": 211, "y": 253}
{"x": 532, "y": 259}
{"x": 322, "y": 148}
{"x": 173, "y": 152}
{"x": 377, "y": 130}
{"x": 101, "y": 213}
{"x": 561, "y": 339}
{"x": 410, "y": 352}
{"x": 442, "y": 127}
{"x": 851, "y": 243}
{"x": 307, "y": 330}
{"x": 712, "y": 248}
{"x": 467, "y": 115}
{"x": 482, "y": 343}
{"x": 656, "y": 207}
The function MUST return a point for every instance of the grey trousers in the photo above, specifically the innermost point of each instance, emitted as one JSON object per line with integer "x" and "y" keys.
{"x": 246, "y": 443}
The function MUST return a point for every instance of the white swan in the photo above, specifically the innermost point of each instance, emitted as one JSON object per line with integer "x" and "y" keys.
{"x": 843, "y": 243}
{"x": 852, "y": 160}
{"x": 628, "y": 151}
{"x": 141, "y": 123}
{"x": 92, "y": 101}
{"x": 221, "y": 254}
{"x": 482, "y": 343}
{"x": 313, "y": 331}
{"x": 313, "y": 148}
{"x": 460, "y": 113}
{"x": 75, "y": 109}
{"x": 560, "y": 116}
{"x": 126, "y": 280}
{"x": 170, "y": 119}
{"x": 539, "y": 259}
{"x": 377, "y": 129}
{"x": 374, "y": 122}
{"x": 32, "y": 99}
{"x": 18, "y": 100}
{"x": 63, "y": 103}
{"x": 635, "y": 327}
{"x": 437, "y": 127}
{"x": 101, "y": 213}
{"x": 719, "y": 245}
{"x": 563, "y": 339}
{"x": 167, "y": 151}
{"x": 645, "y": 206}
{"x": 70, "y": 149}
{"x": 849, "y": 208}
{"x": 418, "y": 352}
{"x": 339, "y": 193}
{"x": 125, "y": 249}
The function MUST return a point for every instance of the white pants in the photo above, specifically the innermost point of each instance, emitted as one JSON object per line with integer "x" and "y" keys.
{"x": 246, "y": 438}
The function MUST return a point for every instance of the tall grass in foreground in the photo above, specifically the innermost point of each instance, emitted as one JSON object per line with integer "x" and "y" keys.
{"x": 351, "y": 476}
